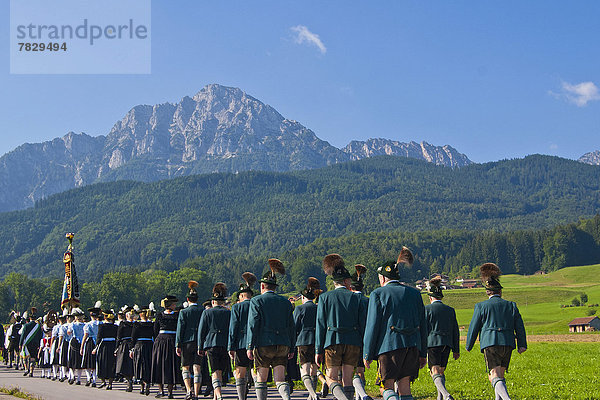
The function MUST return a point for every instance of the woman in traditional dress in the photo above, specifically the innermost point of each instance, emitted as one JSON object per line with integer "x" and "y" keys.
{"x": 54, "y": 347}
{"x": 165, "y": 362}
{"x": 63, "y": 345}
{"x": 142, "y": 339}
{"x": 44, "y": 352}
{"x": 124, "y": 362}
{"x": 90, "y": 333}
{"x": 105, "y": 350}
{"x": 76, "y": 330}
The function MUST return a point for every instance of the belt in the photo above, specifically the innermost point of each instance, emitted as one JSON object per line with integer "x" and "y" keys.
{"x": 404, "y": 331}
{"x": 342, "y": 328}
{"x": 168, "y": 332}
{"x": 147, "y": 338}
{"x": 108, "y": 339}
{"x": 126, "y": 338}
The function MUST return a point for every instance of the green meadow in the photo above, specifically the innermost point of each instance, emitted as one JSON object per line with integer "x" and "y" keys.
{"x": 544, "y": 371}
{"x": 539, "y": 298}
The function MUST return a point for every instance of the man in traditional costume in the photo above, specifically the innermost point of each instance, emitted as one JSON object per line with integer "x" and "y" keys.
{"x": 271, "y": 333}
{"x": 396, "y": 332}
{"x": 443, "y": 336}
{"x": 498, "y": 323}
{"x": 237, "y": 334}
{"x": 186, "y": 341}
{"x": 305, "y": 320}
{"x": 213, "y": 334}
{"x": 340, "y": 326}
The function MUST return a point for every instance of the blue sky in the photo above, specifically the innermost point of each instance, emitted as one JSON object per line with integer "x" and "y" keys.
{"x": 495, "y": 80}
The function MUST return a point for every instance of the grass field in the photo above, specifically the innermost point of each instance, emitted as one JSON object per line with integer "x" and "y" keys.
{"x": 544, "y": 371}
{"x": 538, "y": 297}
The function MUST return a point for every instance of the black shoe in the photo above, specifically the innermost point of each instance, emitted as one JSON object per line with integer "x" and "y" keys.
{"x": 53, "y": 378}
{"x": 129, "y": 386}
{"x": 109, "y": 387}
{"x": 147, "y": 392}
{"x": 78, "y": 383}
{"x": 170, "y": 396}
{"x": 159, "y": 395}
{"x": 103, "y": 384}
{"x": 71, "y": 381}
{"x": 88, "y": 383}
{"x": 93, "y": 384}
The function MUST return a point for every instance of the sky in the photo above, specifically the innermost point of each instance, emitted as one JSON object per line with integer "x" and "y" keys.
{"x": 495, "y": 80}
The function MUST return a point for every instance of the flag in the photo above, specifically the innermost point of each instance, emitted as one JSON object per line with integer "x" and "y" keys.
{"x": 70, "y": 293}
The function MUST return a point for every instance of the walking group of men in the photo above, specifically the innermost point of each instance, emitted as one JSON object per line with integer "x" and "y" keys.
{"x": 340, "y": 331}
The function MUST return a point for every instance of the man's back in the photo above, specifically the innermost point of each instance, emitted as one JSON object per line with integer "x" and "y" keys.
{"x": 187, "y": 324}
{"x": 442, "y": 326}
{"x": 214, "y": 328}
{"x": 238, "y": 325}
{"x": 270, "y": 321}
{"x": 498, "y": 323}
{"x": 340, "y": 319}
{"x": 396, "y": 319}
{"x": 305, "y": 318}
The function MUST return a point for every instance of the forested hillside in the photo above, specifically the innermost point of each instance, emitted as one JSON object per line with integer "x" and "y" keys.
{"x": 225, "y": 217}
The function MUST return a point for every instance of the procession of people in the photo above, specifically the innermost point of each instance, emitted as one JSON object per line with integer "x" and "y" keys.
{"x": 332, "y": 337}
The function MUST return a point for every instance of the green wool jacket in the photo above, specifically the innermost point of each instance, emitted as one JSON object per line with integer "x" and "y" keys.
{"x": 498, "y": 323}
{"x": 238, "y": 325}
{"x": 270, "y": 322}
{"x": 305, "y": 319}
{"x": 341, "y": 316}
{"x": 396, "y": 320}
{"x": 187, "y": 324}
{"x": 213, "y": 330}
{"x": 442, "y": 326}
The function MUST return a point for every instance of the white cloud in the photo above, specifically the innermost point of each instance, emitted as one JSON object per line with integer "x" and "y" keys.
{"x": 553, "y": 146}
{"x": 579, "y": 93}
{"x": 303, "y": 35}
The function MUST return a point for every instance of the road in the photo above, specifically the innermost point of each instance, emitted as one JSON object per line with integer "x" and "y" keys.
{"x": 55, "y": 390}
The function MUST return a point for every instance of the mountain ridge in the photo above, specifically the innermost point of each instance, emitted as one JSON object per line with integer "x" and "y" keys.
{"x": 219, "y": 129}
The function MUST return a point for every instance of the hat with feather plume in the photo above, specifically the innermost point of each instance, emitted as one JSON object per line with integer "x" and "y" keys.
{"x": 96, "y": 310}
{"x": 358, "y": 277}
{"x": 219, "y": 292}
{"x": 168, "y": 300}
{"x": 334, "y": 266}
{"x": 312, "y": 289}
{"x": 275, "y": 268}
{"x": 249, "y": 282}
{"x": 434, "y": 287}
{"x": 391, "y": 270}
{"x": 192, "y": 292}
{"x": 490, "y": 276}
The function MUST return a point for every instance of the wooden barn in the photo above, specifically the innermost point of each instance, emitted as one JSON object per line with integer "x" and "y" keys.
{"x": 586, "y": 324}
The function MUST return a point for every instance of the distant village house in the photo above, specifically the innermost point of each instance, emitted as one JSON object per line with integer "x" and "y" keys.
{"x": 586, "y": 324}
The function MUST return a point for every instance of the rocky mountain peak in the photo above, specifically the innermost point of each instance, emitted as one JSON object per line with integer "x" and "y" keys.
{"x": 219, "y": 129}
{"x": 592, "y": 158}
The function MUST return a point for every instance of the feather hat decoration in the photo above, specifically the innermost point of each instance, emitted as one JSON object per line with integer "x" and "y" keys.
{"x": 434, "y": 287}
{"x": 312, "y": 289}
{"x": 219, "y": 292}
{"x": 275, "y": 268}
{"x": 490, "y": 276}
{"x": 358, "y": 277}
{"x": 334, "y": 266}
{"x": 193, "y": 292}
{"x": 406, "y": 257}
{"x": 249, "y": 282}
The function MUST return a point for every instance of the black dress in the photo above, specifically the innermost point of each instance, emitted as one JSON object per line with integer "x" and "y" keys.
{"x": 165, "y": 362}
{"x": 142, "y": 339}
{"x": 105, "y": 351}
{"x": 124, "y": 362}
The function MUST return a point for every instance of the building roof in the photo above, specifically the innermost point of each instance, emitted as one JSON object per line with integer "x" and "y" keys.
{"x": 582, "y": 321}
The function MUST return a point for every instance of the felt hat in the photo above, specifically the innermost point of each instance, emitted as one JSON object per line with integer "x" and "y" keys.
{"x": 168, "y": 300}
{"x": 490, "y": 276}
{"x": 333, "y": 265}
{"x": 358, "y": 277}
{"x": 391, "y": 270}
{"x": 275, "y": 267}
{"x": 219, "y": 292}
{"x": 312, "y": 289}
{"x": 249, "y": 282}
{"x": 192, "y": 292}
{"x": 434, "y": 287}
